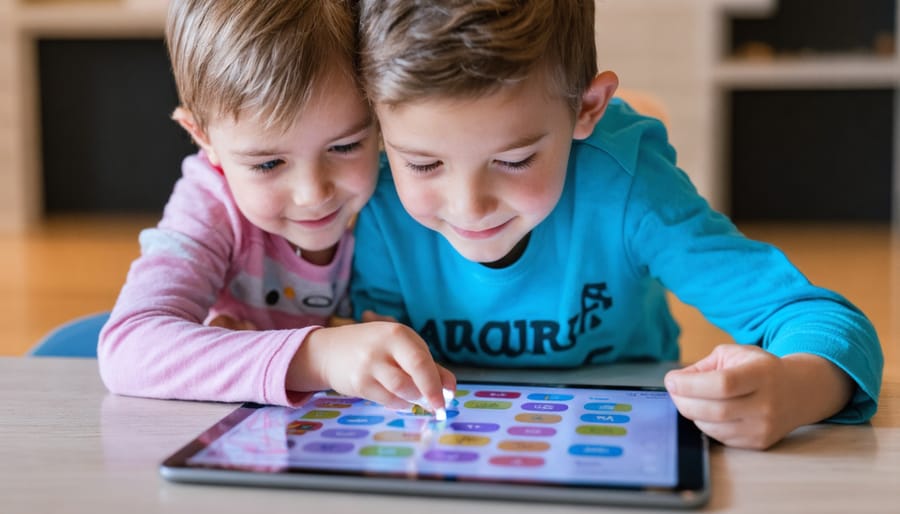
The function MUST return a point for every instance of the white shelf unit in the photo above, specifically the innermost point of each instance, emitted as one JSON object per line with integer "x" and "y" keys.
{"x": 853, "y": 72}
{"x": 109, "y": 18}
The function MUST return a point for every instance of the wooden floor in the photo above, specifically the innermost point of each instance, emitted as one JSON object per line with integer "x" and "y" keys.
{"x": 71, "y": 267}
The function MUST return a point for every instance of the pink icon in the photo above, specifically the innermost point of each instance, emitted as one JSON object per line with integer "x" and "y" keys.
{"x": 516, "y": 461}
{"x": 498, "y": 394}
{"x": 532, "y": 431}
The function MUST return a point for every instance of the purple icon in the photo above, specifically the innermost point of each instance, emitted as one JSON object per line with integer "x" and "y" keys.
{"x": 532, "y": 431}
{"x": 545, "y": 407}
{"x": 475, "y": 427}
{"x": 497, "y": 394}
{"x": 450, "y": 456}
{"x": 319, "y": 447}
{"x": 345, "y": 433}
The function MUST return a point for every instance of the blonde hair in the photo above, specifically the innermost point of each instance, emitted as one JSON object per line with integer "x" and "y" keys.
{"x": 260, "y": 58}
{"x": 412, "y": 49}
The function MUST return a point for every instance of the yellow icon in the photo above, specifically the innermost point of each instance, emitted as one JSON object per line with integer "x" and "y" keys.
{"x": 464, "y": 440}
{"x": 524, "y": 446}
{"x": 539, "y": 418}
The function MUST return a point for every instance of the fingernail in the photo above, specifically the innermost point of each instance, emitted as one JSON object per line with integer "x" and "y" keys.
{"x": 440, "y": 414}
{"x": 449, "y": 396}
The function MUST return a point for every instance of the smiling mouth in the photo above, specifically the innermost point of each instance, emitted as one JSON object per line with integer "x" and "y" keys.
{"x": 321, "y": 222}
{"x": 480, "y": 234}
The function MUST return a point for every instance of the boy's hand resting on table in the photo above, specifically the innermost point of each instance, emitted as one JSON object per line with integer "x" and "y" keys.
{"x": 382, "y": 361}
{"x": 744, "y": 396}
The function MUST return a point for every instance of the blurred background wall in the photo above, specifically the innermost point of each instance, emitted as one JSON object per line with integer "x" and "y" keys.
{"x": 780, "y": 110}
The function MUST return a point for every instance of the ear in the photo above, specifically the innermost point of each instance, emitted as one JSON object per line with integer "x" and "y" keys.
{"x": 187, "y": 121}
{"x": 593, "y": 103}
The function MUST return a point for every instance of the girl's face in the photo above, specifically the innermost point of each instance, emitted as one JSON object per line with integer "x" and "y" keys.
{"x": 306, "y": 183}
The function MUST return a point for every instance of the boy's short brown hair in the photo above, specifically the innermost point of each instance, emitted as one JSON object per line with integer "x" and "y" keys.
{"x": 460, "y": 48}
{"x": 257, "y": 57}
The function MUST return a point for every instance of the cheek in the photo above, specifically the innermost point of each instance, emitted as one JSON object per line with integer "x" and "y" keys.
{"x": 255, "y": 202}
{"x": 418, "y": 197}
{"x": 364, "y": 176}
{"x": 536, "y": 194}
{"x": 548, "y": 195}
{"x": 359, "y": 175}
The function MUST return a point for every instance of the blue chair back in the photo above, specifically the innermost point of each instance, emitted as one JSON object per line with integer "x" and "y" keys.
{"x": 76, "y": 338}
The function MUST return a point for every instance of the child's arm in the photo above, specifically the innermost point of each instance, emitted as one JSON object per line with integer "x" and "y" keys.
{"x": 382, "y": 361}
{"x": 816, "y": 341}
{"x": 155, "y": 343}
{"x": 349, "y": 360}
{"x": 746, "y": 397}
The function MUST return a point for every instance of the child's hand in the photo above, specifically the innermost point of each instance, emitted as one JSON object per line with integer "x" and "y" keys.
{"x": 746, "y": 397}
{"x": 735, "y": 395}
{"x": 231, "y": 323}
{"x": 381, "y": 361}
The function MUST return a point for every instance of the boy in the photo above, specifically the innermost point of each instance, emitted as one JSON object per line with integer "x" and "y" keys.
{"x": 532, "y": 220}
{"x": 256, "y": 229}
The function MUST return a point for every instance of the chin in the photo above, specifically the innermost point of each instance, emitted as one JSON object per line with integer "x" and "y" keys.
{"x": 318, "y": 244}
{"x": 481, "y": 255}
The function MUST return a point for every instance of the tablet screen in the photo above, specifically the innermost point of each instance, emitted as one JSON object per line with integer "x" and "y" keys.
{"x": 574, "y": 437}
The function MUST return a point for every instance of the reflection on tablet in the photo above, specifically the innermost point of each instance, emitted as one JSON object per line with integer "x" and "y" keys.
{"x": 580, "y": 438}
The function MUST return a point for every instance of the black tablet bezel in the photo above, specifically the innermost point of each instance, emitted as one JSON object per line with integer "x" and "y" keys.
{"x": 691, "y": 491}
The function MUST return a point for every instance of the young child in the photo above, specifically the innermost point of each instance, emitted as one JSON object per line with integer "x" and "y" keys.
{"x": 531, "y": 219}
{"x": 255, "y": 233}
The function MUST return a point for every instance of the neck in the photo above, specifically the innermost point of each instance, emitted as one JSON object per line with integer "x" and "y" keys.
{"x": 317, "y": 257}
{"x": 513, "y": 255}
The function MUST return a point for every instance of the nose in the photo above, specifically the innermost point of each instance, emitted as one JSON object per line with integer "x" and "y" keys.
{"x": 312, "y": 186}
{"x": 471, "y": 197}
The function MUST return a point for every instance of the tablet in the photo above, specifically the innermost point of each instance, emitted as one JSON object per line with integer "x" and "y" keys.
{"x": 575, "y": 443}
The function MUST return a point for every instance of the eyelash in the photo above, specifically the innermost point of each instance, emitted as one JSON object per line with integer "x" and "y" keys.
{"x": 514, "y": 166}
{"x": 518, "y": 165}
{"x": 267, "y": 166}
{"x": 348, "y": 148}
{"x": 424, "y": 168}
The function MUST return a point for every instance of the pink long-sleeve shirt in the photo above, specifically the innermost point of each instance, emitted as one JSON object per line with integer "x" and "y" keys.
{"x": 205, "y": 258}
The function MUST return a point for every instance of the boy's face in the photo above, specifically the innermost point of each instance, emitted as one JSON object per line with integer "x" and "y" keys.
{"x": 484, "y": 171}
{"x": 305, "y": 183}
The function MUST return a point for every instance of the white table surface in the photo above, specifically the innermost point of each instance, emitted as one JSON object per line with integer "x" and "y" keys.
{"x": 68, "y": 446}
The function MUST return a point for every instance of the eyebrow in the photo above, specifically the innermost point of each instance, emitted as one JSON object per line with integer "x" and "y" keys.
{"x": 263, "y": 152}
{"x": 523, "y": 141}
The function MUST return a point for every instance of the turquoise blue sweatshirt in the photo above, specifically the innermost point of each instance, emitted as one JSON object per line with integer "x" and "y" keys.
{"x": 591, "y": 285}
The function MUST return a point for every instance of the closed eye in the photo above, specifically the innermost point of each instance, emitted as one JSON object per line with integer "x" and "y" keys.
{"x": 347, "y": 148}
{"x": 424, "y": 168}
{"x": 517, "y": 165}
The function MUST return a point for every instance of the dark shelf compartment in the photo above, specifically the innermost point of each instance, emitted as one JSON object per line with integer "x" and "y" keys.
{"x": 818, "y": 26}
{"x": 108, "y": 144}
{"x": 819, "y": 155}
